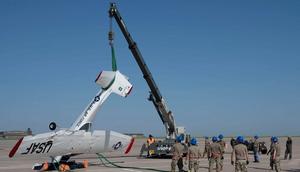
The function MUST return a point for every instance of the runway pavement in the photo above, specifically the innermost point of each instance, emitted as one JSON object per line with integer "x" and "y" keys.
{"x": 140, "y": 164}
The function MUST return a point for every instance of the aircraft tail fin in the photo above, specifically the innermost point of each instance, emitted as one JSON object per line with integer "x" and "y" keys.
{"x": 116, "y": 81}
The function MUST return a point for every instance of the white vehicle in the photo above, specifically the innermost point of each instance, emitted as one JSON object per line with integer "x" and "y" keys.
{"x": 61, "y": 144}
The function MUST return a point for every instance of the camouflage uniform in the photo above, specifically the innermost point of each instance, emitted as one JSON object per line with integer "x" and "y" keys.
{"x": 288, "y": 149}
{"x": 271, "y": 158}
{"x": 223, "y": 145}
{"x": 193, "y": 156}
{"x": 214, "y": 155}
{"x": 207, "y": 144}
{"x": 232, "y": 142}
{"x": 240, "y": 157}
{"x": 177, "y": 150}
{"x": 256, "y": 150}
{"x": 275, "y": 154}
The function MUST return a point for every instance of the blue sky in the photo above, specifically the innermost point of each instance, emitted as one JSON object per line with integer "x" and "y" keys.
{"x": 229, "y": 67}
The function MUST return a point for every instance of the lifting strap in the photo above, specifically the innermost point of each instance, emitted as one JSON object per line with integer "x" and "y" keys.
{"x": 111, "y": 43}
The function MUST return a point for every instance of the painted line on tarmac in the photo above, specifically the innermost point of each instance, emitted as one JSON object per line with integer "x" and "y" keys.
{"x": 125, "y": 169}
{"x": 147, "y": 162}
{"x": 15, "y": 167}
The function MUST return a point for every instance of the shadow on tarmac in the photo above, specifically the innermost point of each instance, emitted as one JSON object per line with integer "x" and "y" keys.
{"x": 292, "y": 170}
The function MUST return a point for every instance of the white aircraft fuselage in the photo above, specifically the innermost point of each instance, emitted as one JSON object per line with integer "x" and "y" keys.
{"x": 65, "y": 142}
{"x": 79, "y": 138}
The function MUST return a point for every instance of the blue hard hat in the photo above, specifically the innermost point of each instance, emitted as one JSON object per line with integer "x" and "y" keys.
{"x": 179, "y": 138}
{"x": 256, "y": 137}
{"x": 214, "y": 139}
{"x": 240, "y": 139}
{"x": 275, "y": 139}
{"x": 182, "y": 137}
{"x": 193, "y": 141}
{"x": 221, "y": 136}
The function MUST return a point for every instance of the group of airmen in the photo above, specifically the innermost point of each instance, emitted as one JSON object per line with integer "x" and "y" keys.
{"x": 215, "y": 153}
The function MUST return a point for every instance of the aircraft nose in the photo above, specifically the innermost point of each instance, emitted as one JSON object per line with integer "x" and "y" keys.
{"x": 120, "y": 141}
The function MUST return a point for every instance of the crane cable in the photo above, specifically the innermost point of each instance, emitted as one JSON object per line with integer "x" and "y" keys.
{"x": 111, "y": 44}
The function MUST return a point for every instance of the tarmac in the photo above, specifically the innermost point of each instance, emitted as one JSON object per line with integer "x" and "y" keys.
{"x": 142, "y": 164}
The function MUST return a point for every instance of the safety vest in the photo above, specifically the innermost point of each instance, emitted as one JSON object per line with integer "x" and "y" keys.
{"x": 150, "y": 141}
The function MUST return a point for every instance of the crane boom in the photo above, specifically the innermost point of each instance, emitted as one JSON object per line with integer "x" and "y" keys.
{"x": 155, "y": 96}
